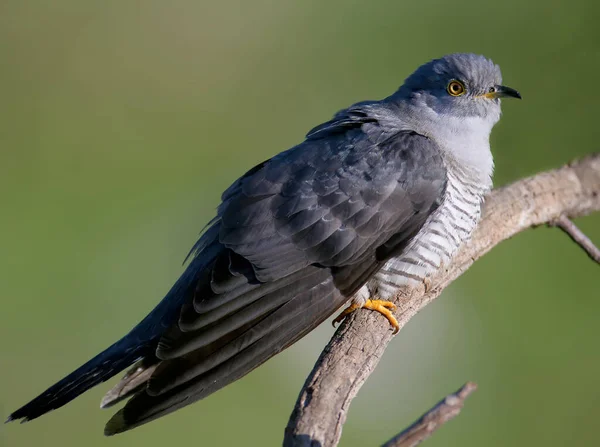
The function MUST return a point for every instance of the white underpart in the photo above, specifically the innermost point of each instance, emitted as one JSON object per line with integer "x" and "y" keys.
{"x": 469, "y": 164}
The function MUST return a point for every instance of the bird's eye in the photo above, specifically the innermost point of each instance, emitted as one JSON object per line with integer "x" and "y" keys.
{"x": 492, "y": 90}
{"x": 456, "y": 88}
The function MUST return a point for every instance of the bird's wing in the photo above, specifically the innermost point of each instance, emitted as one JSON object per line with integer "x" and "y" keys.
{"x": 298, "y": 235}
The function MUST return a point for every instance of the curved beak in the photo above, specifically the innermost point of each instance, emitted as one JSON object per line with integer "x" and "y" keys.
{"x": 501, "y": 91}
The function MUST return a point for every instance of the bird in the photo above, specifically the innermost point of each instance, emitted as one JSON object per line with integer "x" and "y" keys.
{"x": 380, "y": 196}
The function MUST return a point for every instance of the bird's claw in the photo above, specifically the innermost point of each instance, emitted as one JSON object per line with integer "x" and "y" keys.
{"x": 385, "y": 308}
{"x": 347, "y": 311}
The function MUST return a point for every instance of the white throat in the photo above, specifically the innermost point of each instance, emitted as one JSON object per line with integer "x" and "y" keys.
{"x": 465, "y": 139}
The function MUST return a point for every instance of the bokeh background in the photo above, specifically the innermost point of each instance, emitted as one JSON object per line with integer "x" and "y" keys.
{"x": 122, "y": 121}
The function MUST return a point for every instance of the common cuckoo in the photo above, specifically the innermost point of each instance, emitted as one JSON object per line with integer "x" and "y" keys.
{"x": 380, "y": 196}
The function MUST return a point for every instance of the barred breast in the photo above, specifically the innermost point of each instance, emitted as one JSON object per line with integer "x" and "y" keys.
{"x": 435, "y": 244}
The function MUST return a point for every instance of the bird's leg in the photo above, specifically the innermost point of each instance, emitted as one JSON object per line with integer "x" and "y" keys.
{"x": 385, "y": 308}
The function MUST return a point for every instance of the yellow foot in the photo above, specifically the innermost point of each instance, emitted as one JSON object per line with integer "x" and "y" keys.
{"x": 385, "y": 308}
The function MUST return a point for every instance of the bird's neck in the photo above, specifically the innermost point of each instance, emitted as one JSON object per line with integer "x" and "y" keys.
{"x": 465, "y": 139}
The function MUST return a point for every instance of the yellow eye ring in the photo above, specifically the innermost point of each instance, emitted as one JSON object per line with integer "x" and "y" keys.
{"x": 456, "y": 88}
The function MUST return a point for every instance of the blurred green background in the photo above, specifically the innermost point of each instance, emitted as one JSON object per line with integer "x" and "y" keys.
{"x": 122, "y": 121}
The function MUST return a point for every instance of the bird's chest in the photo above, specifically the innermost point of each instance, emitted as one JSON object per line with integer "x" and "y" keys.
{"x": 435, "y": 244}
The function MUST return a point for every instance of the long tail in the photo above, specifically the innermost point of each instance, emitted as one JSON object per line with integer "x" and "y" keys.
{"x": 99, "y": 369}
{"x": 139, "y": 343}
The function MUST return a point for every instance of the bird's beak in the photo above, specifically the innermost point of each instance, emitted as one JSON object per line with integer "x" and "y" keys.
{"x": 502, "y": 91}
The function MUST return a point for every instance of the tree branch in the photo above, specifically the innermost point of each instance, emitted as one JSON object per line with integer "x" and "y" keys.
{"x": 357, "y": 346}
{"x": 446, "y": 409}
{"x": 565, "y": 224}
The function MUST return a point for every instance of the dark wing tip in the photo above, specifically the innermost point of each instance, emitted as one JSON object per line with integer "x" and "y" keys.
{"x": 116, "y": 424}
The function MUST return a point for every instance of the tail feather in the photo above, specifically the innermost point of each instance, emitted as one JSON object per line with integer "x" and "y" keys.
{"x": 134, "y": 380}
{"x": 99, "y": 369}
{"x": 168, "y": 395}
{"x": 139, "y": 343}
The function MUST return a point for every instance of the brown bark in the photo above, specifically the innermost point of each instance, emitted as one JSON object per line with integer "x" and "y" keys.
{"x": 357, "y": 346}
{"x": 446, "y": 409}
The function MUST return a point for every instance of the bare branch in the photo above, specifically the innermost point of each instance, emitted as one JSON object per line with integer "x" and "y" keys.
{"x": 357, "y": 346}
{"x": 446, "y": 409}
{"x": 565, "y": 224}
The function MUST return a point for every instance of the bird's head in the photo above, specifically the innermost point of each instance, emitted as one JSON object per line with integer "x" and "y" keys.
{"x": 455, "y": 100}
{"x": 460, "y": 85}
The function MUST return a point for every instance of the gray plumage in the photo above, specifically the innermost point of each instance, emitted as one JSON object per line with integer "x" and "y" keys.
{"x": 381, "y": 195}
